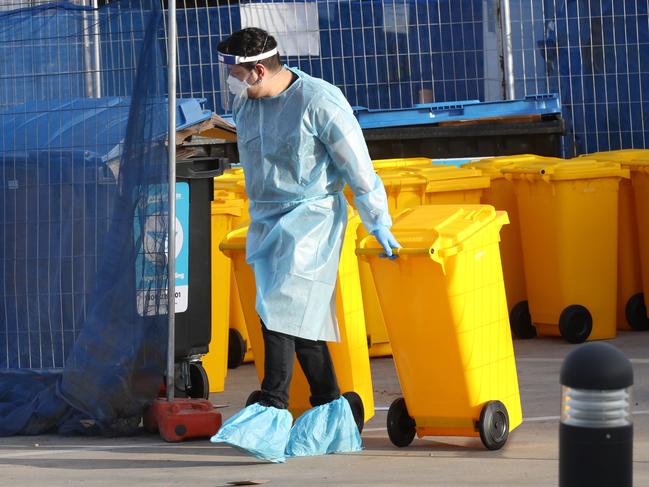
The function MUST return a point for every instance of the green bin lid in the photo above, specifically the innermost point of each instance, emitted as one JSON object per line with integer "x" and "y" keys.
{"x": 555, "y": 169}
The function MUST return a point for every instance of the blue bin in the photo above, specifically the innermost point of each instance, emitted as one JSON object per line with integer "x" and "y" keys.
{"x": 58, "y": 185}
{"x": 435, "y": 113}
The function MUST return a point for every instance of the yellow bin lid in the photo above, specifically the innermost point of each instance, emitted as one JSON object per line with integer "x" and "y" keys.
{"x": 493, "y": 166}
{"x": 232, "y": 174}
{"x": 639, "y": 161}
{"x": 436, "y": 178}
{"x": 552, "y": 169}
{"x": 633, "y": 159}
{"x": 436, "y": 230}
{"x": 386, "y": 164}
{"x": 616, "y": 155}
{"x": 231, "y": 180}
{"x": 405, "y": 163}
{"x": 227, "y": 203}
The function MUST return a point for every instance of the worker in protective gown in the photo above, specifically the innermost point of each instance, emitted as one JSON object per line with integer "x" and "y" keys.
{"x": 299, "y": 143}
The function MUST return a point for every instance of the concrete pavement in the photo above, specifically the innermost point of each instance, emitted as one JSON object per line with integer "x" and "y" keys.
{"x": 530, "y": 457}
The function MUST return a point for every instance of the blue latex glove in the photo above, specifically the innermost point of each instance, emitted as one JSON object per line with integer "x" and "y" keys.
{"x": 384, "y": 237}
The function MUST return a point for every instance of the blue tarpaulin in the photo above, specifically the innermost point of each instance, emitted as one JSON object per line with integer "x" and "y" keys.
{"x": 79, "y": 163}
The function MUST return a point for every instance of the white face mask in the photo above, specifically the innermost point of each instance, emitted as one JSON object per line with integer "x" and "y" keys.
{"x": 237, "y": 87}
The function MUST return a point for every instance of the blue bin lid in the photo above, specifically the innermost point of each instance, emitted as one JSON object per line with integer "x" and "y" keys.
{"x": 190, "y": 111}
{"x": 92, "y": 125}
{"x": 433, "y": 113}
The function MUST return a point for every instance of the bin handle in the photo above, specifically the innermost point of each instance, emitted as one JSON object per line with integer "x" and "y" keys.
{"x": 398, "y": 251}
{"x": 482, "y": 214}
{"x": 189, "y": 173}
{"x": 184, "y": 168}
{"x": 231, "y": 246}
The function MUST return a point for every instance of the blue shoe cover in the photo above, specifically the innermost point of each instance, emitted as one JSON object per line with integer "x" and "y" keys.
{"x": 259, "y": 431}
{"x": 329, "y": 428}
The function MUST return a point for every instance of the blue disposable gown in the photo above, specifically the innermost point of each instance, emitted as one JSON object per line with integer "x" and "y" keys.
{"x": 298, "y": 149}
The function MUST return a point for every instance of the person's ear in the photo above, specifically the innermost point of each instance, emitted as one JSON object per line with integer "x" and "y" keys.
{"x": 261, "y": 71}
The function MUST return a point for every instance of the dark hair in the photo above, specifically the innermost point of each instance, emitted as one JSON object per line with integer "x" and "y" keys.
{"x": 250, "y": 42}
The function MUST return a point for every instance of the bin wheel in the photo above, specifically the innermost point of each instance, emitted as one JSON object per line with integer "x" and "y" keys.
{"x": 494, "y": 425}
{"x": 182, "y": 378}
{"x": 236, "y": 349}
{"x": 253, "y": 398}
{"x": 636, "y": 313}
{"x": 575, "y": 324}
{"x": 401, "y": 427}
{"x": 521, "y": 321}
{"x": 358, "y": 409}
{"x": 199, "y": 387}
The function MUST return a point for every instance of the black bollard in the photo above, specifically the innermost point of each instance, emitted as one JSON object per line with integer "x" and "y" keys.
{"x": 596, "y": 430}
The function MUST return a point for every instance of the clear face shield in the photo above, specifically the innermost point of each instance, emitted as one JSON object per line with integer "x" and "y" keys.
{"x": 234, "y": 83}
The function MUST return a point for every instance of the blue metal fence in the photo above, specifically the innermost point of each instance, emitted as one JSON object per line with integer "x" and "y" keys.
{"x": 381, "y": 54}
{"x": 393, "y": 54}
{"x": 396, "y": 53}
{"x": 595, "y": 53}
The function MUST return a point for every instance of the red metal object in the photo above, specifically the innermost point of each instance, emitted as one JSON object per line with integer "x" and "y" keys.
{"x": 181, "y": 419}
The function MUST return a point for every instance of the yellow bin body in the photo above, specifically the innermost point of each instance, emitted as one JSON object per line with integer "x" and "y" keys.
{"x": 629, "y": 281}
{"x": 232, "y": 180}
{"x": 640, "y": 182}
{"x": 446, "y": 314}
{"x": 629, "y": 260}
{"x": 501, "y": 196}
{"x": 229, "y": 208}
{"x": 569, "y": 219}
{"x": 350, "y": 356}
{"x": 637, "y": 161}
{"x": 407, "y": 186}
{"x": 225, "y": 209}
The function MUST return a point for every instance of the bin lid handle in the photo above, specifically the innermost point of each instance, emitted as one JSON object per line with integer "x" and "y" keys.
{"x": 399, "y": 251}
{"x": 199, "y": 168}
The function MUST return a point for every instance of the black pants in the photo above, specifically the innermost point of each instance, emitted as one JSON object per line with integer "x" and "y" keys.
{"x": 314, "y": 359}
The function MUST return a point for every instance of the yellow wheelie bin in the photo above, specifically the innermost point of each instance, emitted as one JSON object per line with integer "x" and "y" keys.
{"x": 431, "y": 184}
{"x": 381, "y": 165}
{"x": 446, "y": 313}
{"x": 239, "y": 349}
{"x": 569, "y": 218}
{"x": 501, "y": 195}
{"x": 631, "y": 309}
{"x": 439, "y": 184}
{"x": 350, "y": 356}
{"x": 406, "y": 188}
{"x": 639, "y": 167}
{"x": 225, "y": 208}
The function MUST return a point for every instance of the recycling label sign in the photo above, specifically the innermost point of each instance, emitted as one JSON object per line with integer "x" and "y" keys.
{"x": 150, "y": 233}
